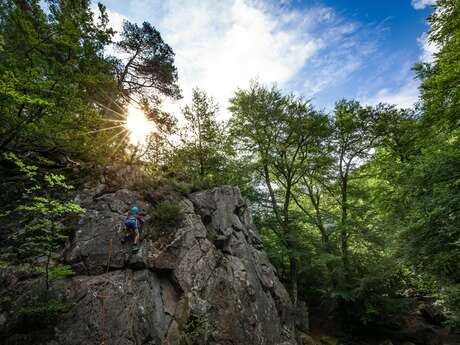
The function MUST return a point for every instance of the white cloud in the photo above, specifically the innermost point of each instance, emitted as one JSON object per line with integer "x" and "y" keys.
{"x": 347, "y": 50}
{"x": 331, "y": 72}
{"x": 404, "y": 96}
{"x": 116, "y": 22}
{"x": 421, "y": 4}
{"x": 222, "y": 45}
{"x": 428, "y": 48}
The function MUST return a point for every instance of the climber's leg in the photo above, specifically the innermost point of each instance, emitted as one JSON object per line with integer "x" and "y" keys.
{"x": 125, "y": 236}
{"x": 136, "y": 237}
{"x": 135, "y": 247}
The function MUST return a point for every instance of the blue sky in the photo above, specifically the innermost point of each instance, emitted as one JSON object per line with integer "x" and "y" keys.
{"x": 323, "y": 50}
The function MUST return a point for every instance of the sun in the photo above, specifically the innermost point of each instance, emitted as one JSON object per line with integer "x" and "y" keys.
{"x": 138, "y": 125}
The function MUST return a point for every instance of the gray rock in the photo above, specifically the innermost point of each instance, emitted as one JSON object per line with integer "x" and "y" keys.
{"x": 120, "y": 307}
{"x": 431, "y": 314}
{"x": 209, "y": 274}
{"x": 96, "y": 247}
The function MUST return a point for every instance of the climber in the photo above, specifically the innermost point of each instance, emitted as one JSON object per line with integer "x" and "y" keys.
{"x": 133, "y": 223}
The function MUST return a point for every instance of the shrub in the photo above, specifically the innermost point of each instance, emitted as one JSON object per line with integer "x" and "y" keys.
{"x": 40, "y": 315}
{"x": 166, "y": 216}
{"x": 181, "y": 187}
{"x": 197, "y": 330}
{"x": 373, "y": 299}
{"x": 199, "y": 183}
{"x": 450, "y": 301}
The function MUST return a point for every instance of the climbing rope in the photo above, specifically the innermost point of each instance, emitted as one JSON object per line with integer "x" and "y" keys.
{"x": 103, "y": 297}
{"x": 110, "y": 255}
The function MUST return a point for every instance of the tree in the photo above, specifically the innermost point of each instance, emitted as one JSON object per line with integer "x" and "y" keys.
{"x": 312, "y": 195}
{"x": 440, "y": 90}
{"x": 283, "y": 133}
{"x": 41, "y": 210}
{"x": 327, "y": 193}
{"x": 429, "y": 179}
{"x": 145, "y": 76}
{"x": 202, "y": 136}
{"x": 60, "y": 91}
{"x": 353, "y": 140}
{"x": 148, "y": 71}
{"x": 52, "y": 72}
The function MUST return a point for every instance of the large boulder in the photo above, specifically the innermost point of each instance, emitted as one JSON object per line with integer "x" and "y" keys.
{"x": 431, "y": 314}
{"x": 208, "y": 281}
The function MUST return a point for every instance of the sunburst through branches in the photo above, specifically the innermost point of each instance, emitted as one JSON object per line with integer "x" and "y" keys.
{"x": 138, "y": 125}
{"x": 132, "y": 125}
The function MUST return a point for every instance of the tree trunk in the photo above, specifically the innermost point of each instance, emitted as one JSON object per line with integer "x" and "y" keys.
{"x": 287, "y": 232}
{"x": 325, "y": 240}
{"x": 201, "y": 165}
{"x": 322, "y": 229}
{"x": 293, "y": 278}
{"x": 344, "y": 232}
{"x": 47, "y": 277}
{"x": 344, "y": 249}
{"x": 200, "y": 147}
{"x": 272, "y": 194}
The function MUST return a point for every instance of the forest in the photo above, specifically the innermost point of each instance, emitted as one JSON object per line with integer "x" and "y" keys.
{"x": 358, "y": 207}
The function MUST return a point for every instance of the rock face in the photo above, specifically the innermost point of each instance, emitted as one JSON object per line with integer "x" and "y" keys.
{"x": 206, "y": 282}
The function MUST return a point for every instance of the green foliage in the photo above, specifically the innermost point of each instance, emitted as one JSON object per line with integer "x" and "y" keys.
{"x": 40, "y": 315}
{"x": 57, "y": 272}
{"x": 59, "y": 90}
{"x": 440, "y": 89}
{"x": 52, "y": 72}
{"x": 181, "y": 187}
{"x": 33, "y": 244}
{"x": 450, "y": 300}
{"x": 424, "y": 172}
{"x": 282, "y": 135}
{"x": 150, "y": 71}
{"x": 373, "y": 296}
{"x": 356, "y": 208}
{"x": 197, "y": 330}
{"x": 200, "y": 155}
{"x": 162, "y": 183}
{"x": 166, "y": 216}
{"x": 341, "y": 228}
{"x": 40, "y": 213}
{"x": 431, "y": 233}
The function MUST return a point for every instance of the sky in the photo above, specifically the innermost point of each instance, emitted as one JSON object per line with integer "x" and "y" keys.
{"x": 322, "y": 50}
